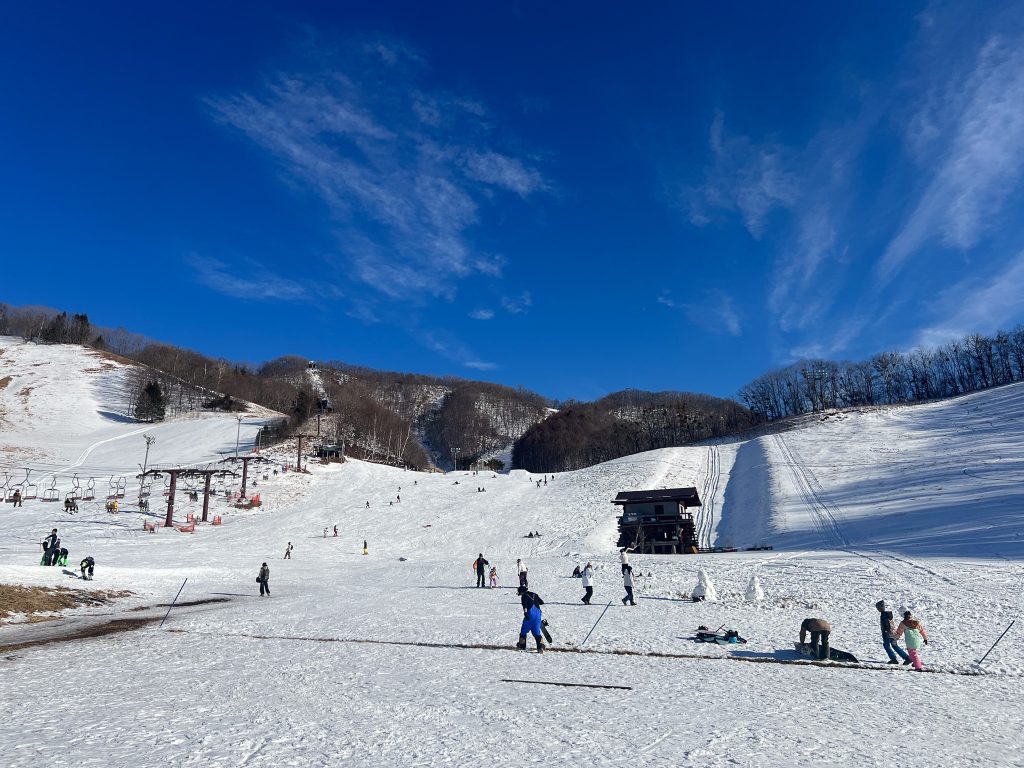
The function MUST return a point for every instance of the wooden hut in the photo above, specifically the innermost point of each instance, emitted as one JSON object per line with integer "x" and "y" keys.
{"x": 658, "y": 522}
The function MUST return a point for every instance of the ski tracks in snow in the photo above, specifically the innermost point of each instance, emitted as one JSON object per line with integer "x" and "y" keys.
{"x": 823, "y": 515}
{"x": 709, "y": 493}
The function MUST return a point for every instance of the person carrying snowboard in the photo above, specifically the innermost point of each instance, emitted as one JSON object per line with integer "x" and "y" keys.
{"x": 917, "y": 638}
{"x": 88, "y": 565}
{"x": 627, "y": 582}
{"x": 532, "y": 619}
{"x": 481, "y": 569}
{"x": 892, "y": 648}
{"x": 588, "y": 583}
{"x": 264, "y": 580}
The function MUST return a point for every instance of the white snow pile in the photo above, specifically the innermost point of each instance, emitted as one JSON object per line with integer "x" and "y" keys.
{"x": 396, "y": 658}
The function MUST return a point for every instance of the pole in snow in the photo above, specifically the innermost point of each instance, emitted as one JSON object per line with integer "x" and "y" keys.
{"x": 172, "y": 605}
{"x": 596, "y": 623}
{"x": 996, "y": 642}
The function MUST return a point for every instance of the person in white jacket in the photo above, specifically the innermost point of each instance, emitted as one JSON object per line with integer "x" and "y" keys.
{"x": 624, "y": 557}
{"x": 627, "y": 582}
{"x": 588, "y": 583}
{"x": 521, "y": 567}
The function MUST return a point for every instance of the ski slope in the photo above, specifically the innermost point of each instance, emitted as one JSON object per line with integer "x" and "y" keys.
{"x": 332, "y": 667}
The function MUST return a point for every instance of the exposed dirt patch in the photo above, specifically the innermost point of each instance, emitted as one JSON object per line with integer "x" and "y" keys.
{"x": 39, "y": 602}
{"x": 101, "y": 368}
{"x": 5, "y": 381}
{"x": 24, "y": 394}
{"x": 98, "y": 630}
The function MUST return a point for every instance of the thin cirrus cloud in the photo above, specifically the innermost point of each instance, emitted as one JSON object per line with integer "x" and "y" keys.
{"x": 403, "y": 173}
{"x": 517, "y": 305}
{"x": 981, "y": 306}
{"x": 482, "y": 314}
{"x": 716, "y": 312}
{"x": 230, "y": 281}
{"x": 980, "y": 163}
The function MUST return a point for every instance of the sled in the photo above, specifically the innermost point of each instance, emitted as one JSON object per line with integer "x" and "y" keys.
{"x": 729, "y": 637}
{"x": 807, "y": 650}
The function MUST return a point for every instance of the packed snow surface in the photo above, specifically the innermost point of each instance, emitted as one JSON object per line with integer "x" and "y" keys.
{"x": 367, "y": 659}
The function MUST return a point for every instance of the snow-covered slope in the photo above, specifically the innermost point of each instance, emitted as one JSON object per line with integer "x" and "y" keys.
{"x": 328, "y": 670}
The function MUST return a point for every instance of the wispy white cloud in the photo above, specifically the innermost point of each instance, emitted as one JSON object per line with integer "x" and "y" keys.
{"x": 479, "y": 365}
{"x": 972, "y": 134}
{"x": 482, "y": 314}
{"x": 248, "y": 280}
{"x": 517, "y": 305}
{"x": 715, "y": 312}
{"x": 977, "y": 305}
{"x": 745, "y": 177}
{"x": 404, "y": 173}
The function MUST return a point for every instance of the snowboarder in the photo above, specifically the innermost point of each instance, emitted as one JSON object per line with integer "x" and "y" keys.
{"x": 264, "y": 580}
{"x": 916, "y": 638}
{"x": 480, "y": 565}
{"x": 532, "y": 619}
{"x": 87, "y": 566}
{"x": 521, "y": 567}
{"x": 493, "y": 578}
{"x": 820, "y": 631}
{"x": 627, "y": 582}
{"x": 288, "y": 551}
{"x": 588, "y": 583}
{"x": 624, "y": 557}
{"x": 892, "y": 648}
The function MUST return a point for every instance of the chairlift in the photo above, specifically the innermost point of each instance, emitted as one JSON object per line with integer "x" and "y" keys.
{"x": 115, "y": 487}
{"x": 90, "y": 490}
{"x": 76, "y": 489}
{"x": 145, "y": 488}
{"x": 122, "y": 486}
{"x": 52, "y": 493}
{"x": 29, "y": 490}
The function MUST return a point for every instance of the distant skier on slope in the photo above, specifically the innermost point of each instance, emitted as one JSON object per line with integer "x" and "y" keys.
{"x": 288, "y": 551}
{"x": 588, "y": 583}
{"x": 889, "y": 643}
{"x": 264, "y": 580}
{"x": 523, "y": 571}
{"x": 481, "y": 569}
{"x": 532, "y": 619}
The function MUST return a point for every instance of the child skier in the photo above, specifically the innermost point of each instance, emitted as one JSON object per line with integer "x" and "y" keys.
{"x": 532, "y": 619}
{"x": 916, "y": 637}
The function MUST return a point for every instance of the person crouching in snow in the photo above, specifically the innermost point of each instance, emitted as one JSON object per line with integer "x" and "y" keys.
{"x": 264, "y": 580}
{"x": 531, "y": 619}
{"x": 916, "y": 637}
{"x": 494, "y": 577}
{"x": 87, "y": 565}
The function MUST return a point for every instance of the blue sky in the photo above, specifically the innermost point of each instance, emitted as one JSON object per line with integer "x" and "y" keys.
{"x": 568, "y": 197}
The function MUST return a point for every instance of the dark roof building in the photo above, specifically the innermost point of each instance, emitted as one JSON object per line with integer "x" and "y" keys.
{"x": 658, "y": 521}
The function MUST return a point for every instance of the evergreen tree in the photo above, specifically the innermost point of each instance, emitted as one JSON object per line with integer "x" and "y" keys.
{"x": 151, "y": 405}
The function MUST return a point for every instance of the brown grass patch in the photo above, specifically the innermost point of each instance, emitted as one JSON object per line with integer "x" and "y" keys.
{"x": 5, "y": 381}
{"x": 34, "y": 601}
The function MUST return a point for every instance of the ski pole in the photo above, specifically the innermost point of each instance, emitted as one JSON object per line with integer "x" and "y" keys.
{"x": 996, "y": 642}
{"x": 596, "y": 623}
{"x": 171, "y": 605}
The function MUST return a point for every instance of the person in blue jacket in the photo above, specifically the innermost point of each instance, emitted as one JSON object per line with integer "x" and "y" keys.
{"x": 532, "y": 619}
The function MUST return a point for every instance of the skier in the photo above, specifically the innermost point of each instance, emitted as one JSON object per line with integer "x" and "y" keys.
{"x": 493, "y": 579}
{"x": 892, "y": 648}
{"x": 288, "y": 551}
{"x": 264, "y": 580}
{"x": 532, "y": 619}
{"x": 627, "y": 582}
{"x": 624, "y": 557}
{"x": 820, "y": 631}
{"x": 916, "y": 636}
{"x": 480, "y": 565}
{"x": 521, "y": 567}
{"x": 88, "y": 565}
{"x": 588, "y": 583}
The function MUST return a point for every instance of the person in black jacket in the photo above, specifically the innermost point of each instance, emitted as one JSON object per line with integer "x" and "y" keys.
{"x": 532, "y": 619}
{"x": 889, "y": 642}
{"x": 50, "y": 547}
{"x": 264, "y": 580}
{"x": 481, "y": 569}
{"x": 88, "y": 565}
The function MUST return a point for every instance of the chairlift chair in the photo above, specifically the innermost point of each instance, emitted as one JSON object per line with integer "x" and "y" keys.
{"x": 122, "y": 486}
{"x": 52, "y": 493}
{"x": 31, "y": 491}
{"x": 90, "y": 490}
{"x": 76, "y": 489}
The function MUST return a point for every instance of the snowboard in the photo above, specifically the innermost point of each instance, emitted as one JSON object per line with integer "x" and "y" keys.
{"x": 834, "y": 654}
{"x": 544, "y": 629}
{"x": 720, "y": 638}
